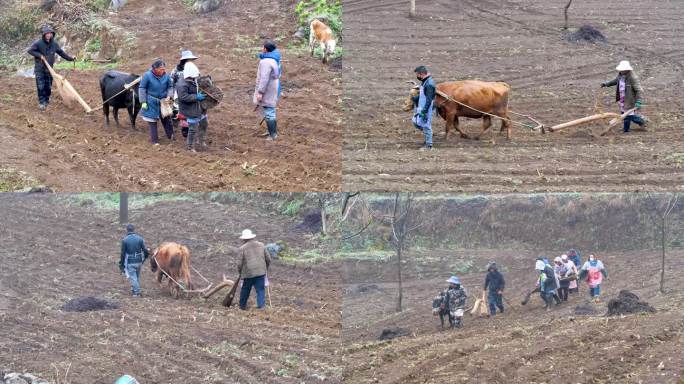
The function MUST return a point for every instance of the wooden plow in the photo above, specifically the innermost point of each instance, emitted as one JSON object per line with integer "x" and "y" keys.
{"x": 206, "y": 292}
{"x": 615, "y": 119}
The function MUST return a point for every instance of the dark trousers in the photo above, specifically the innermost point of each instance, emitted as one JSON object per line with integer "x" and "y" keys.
{"x": 43, "y": 85}
{"x": 168, "y": 129}
{"x": 563, "y": 292}
{"x": 495, "y": 301}
{"x": 259, "y": 285}
{"x": 629, "y": 119}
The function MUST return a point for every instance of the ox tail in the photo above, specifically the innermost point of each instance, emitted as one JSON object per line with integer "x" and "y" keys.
{"x": 185, "y": 267}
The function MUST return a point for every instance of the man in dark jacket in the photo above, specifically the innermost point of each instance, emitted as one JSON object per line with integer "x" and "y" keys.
{"x": 253, "y": 264}
{"x": 133, "y": 255}
{"x": 189, "y": 97}
{"x": 424, "y": 105}
{"x": 547, "y": 283}
{"x": 494, "y": 281}
{"x": 45, "y": 48}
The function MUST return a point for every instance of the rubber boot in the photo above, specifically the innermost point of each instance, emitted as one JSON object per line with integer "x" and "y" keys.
{"x": 272, "y": 129}
{"x": 202, "y": 134}
{"x": 191, "y": 138}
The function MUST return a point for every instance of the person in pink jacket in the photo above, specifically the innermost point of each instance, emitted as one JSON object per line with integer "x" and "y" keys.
{"x": 594, "y": 272}
{"x": 571, "y": 269}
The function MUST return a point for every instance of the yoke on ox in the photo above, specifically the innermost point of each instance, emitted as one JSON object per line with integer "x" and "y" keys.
{"x": 172, "y": 260}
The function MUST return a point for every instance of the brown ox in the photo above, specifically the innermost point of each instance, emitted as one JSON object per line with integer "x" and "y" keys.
{"x": 172, "y": 259}
{"x": 323, "y": 34}
{"x": 489, "y": 97}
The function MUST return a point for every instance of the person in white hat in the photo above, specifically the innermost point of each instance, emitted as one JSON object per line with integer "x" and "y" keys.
{"x": 455, "y": 297}
{"x": 253, "y": 265}
{"x": 627, "y": 94}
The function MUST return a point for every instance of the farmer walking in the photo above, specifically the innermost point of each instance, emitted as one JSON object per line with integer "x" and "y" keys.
{"x": 547, "y": 283}
{"x": 594, "y": 272}
{"x": 267, "y": 88}
{"x": 424, "y": 105}
{"x": 133, "y": 255}
{"x": 561, "y": 271}
{"x": 45, "y": 48}
{"x": 627, "y": 94}
{"x": 189, "y": 98}
{"x": 176, "y": 75}
{"x": 570, "y": 273}
{"x": 494, "y": 281}
{"x": 253, "y": 266}
{"x": 156, "y": 86}
{"x": 455, "y": 297}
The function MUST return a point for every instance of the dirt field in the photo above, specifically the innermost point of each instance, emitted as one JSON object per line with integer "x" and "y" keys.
{"x": 52, "y": 254}
{"x": 526, "y": 344}
{"x": 520, "y": 42}
{"x": 69, "y": 151}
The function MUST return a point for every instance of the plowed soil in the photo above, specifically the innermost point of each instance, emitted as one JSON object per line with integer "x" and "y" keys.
{"x": 53, "y": 253}
{"x": 70, "y": 151}
{"x": 524, "y": 345}
{"x": 522, "y": 43}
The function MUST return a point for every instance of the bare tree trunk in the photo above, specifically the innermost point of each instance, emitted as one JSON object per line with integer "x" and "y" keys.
{"x": 565, "y": 13}
{"x": 123, "y": 207}
{"x": 662, "y": 264}
{"x": 412, "y": 8}
{"x": 321, "y": 204}
{"x": 401, "y": 288}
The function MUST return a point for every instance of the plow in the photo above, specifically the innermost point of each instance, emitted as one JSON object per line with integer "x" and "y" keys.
{"x": 537, "y": 126}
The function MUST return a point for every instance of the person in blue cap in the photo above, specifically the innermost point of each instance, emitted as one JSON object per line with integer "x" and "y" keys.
{"x": 133, "y": 255}
{"x": 455, "y": 297}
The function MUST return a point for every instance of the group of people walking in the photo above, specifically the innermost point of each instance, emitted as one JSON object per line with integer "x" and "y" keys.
{"x": 558, "y": 280}
{"x": 555, "y": 282}
{"x": 157, "y": 87}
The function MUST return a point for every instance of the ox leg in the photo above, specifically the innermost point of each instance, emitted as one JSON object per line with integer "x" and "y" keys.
{"x": 116, "y": 116}
{"x": 105, "y": 111}
{"x": 457, "y": 127}
{"x": 486, "y": 123}
{"x": 505, "y": 124}
{"x": 132, "y": 114}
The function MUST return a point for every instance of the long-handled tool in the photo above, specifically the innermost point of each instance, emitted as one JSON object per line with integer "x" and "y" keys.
{"x": 228, "y": 300}
{"x": 527, "y": 297}
{"x": 66, "y": 90}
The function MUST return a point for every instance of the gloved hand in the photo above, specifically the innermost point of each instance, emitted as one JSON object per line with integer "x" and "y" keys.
{"x": 638, "y": 104}
{"x": 144, "y": 106}
{"x": 423, "y": 116}
{"x": 201, "y": 96}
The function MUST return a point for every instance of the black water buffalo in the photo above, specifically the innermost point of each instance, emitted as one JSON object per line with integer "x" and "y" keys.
{"x": 112, "y": 83}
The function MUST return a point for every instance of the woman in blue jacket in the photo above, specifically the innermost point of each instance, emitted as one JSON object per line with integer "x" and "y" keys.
{"x": 156, "y": 85}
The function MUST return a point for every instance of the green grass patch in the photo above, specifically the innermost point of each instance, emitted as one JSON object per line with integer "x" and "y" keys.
{"x": 85, "y": 65}
{"x": 110, "y": 200}
{"x": 12, "y": 180}
{"x": 306, "y": 10}
{"x": 292, "y": 208}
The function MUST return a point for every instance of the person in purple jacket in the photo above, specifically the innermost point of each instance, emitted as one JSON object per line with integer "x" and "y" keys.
{"x": 266, "y": 90}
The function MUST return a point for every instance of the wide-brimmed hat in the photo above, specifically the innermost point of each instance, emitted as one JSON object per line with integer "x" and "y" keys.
{"x": 564, "y": 257}
{"x": 557, "y": 259}
{"x": 187, "y": 55}
{"x": 247, "y": 234}
{"x": 454, "y": 280}
{"x": 624, "y": 66}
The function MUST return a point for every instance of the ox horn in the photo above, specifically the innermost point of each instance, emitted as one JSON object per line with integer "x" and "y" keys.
{"x": 211, "y": 291}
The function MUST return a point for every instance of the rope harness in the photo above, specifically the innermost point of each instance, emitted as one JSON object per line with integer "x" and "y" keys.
{"x": 528, "y": 126}
{"x": 179, "y": 284}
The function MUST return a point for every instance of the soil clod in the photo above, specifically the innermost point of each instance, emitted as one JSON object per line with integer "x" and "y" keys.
{"x": 628, "y": 302}
{"x": 88, "y": 303}
{"x": 587, "y": 33}
{"x": 391, "y": 333}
